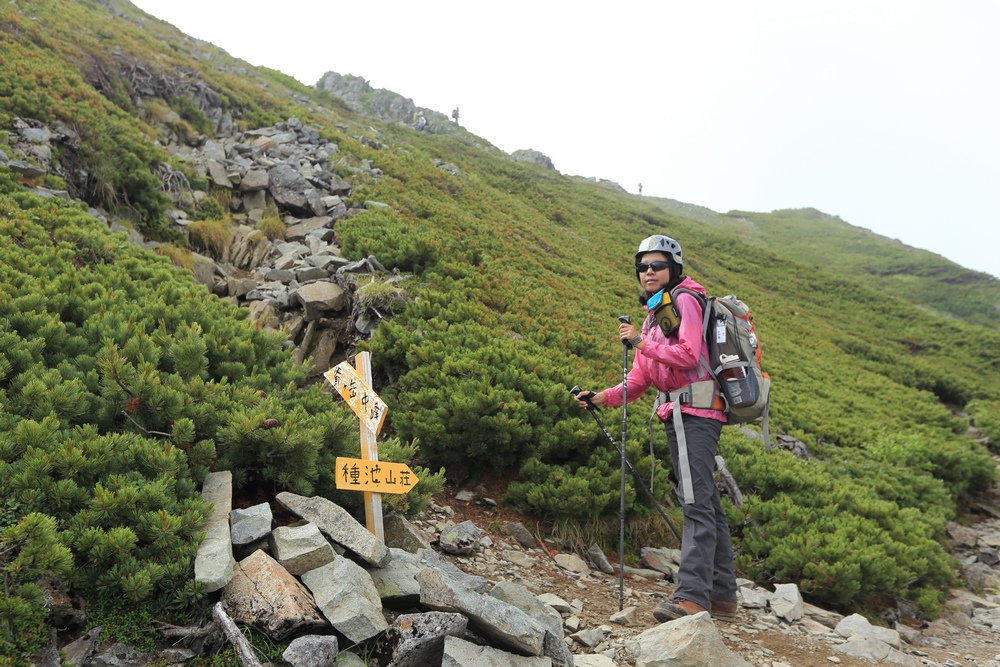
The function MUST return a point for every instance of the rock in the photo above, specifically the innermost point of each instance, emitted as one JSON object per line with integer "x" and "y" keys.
{"x": 907, "y": 634}
{"x": 460, "y": 539}
{"x": 404, "y": 535}
{"x": 593, "y": 660}
{"x": 431, "y": 558}
{"x": 213, "y": 566}
{"x": 490, "y": 617}
{"x": 301, "y": 548}
{"x": 312, "y": 651}
{"x": 554, "y": 601}
{"x": 572, "y": 563}
{"x": 460, "y": 653}
{"x": 77, "y": 653}
{"x": 347, "y": 597}
{"x": 856, "y": 624}
{"x": 261, "y": 593}
{"x": 250, "y": 524}
{"x": 519, "y": 596}
{"x": 963, "y": 535}
{"x": 320, "y": 298}
{"x": 254, "y": 180}
{"x": 532, "y": 157}
{"x": 518, "y": 558}
{"x": 465, "y": 496}
{"x": 644, "y": 573}
{"x": 25, "y": 169}
{"x": 989, "y": 556}
{"x": 626, "y": 616}
{"x": 755, "y": 598}
{"x": 348, "y": 659}
{"x": 120, "y": 655}
{"x": 597, "y": 559}
{"x": 661, "y": 560}
{"x": 691, "y": 641}
{"x": 265, "y": 315}
{"x": 416, "y": 640}
{"x": 396, "y": 582}
{"x": 863, "y": 647}
{"x": 523, "y": 536}
{"x": 220, "y": 176}
{"x": 590, "y": 637}
{"x": 786, "y": 602}
{"x": 287, "y": 186}
{"x": 300, "y": 231}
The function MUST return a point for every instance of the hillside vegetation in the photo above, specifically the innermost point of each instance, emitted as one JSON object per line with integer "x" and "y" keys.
{"x": 886, "y": 265}
{"x": 122, "y": 382}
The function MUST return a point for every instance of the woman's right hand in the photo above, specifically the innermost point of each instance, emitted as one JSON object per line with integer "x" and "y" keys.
{"x": 595, "y": 399}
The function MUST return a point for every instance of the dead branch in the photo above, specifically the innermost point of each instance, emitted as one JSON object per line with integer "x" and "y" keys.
{"x": 243, "y": 648}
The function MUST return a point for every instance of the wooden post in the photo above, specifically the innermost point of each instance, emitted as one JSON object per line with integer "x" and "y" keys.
{"x": 369, "y": 452}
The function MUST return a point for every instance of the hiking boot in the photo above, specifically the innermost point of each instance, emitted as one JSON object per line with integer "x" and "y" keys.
{"x": 670, "y": 611}
{"x": 724, "y": 610}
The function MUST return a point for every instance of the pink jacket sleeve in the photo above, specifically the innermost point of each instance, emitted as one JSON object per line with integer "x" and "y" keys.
{"x": 638, "y": 383}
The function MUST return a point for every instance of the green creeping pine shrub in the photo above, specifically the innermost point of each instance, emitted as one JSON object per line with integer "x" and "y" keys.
{"x": 986, "y": 416}
{"x": 122, "y": 384}
{"x": 29, "y": 550}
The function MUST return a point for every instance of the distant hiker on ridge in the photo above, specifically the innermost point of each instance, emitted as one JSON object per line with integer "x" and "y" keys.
{"x": 421, "y": 122}
{"x": 670, "y": 352}
{"x": 454, "y": 114}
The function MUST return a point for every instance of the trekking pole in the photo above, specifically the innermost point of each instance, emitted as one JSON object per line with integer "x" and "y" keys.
{"x": 624, "y": 319}
{"x": 592, "y": 409}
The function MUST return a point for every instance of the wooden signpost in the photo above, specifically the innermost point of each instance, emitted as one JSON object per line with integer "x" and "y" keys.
{"x": 367, "y": 474}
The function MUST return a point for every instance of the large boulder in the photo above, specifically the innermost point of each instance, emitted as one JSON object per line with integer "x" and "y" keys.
{"x": 346, "y": 595}
{"x": 502, "y": 623}
{"x": 263, "y": 594}
{"x": 690, "y": 641}
{"x": 321, "y": 297}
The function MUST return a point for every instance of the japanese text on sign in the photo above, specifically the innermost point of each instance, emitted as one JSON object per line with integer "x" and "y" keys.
{"x": 374, "y": 476}
{"x": 359, "y": 396}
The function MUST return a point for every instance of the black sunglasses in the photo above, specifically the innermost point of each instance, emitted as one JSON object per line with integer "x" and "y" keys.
{"x": 642, "y": 267}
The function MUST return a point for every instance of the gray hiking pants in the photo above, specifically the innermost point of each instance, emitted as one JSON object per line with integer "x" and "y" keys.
{"x": 706, "y": 549}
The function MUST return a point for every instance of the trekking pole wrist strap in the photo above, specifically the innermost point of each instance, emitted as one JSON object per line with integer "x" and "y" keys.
{"x": 634, "y": 341}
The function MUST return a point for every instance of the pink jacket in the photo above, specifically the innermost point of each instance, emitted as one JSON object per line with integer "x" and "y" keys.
{"x": 669, "y": 362}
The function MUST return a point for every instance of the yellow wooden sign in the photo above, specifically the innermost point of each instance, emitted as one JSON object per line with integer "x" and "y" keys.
{"x": 374, "y": 476}
{"x": 355, "y": 391}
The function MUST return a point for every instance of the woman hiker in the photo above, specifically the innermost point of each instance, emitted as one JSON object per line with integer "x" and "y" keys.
{"x": 671, "y": 361}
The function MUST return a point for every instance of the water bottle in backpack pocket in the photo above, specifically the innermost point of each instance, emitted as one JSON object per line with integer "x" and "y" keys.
{"x": 738, "y": 384}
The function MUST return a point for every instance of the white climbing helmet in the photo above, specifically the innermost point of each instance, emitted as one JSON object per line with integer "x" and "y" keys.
{"x": 660, "y": 243}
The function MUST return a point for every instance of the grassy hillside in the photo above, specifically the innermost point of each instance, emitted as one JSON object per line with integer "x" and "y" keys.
{"x": 519, "y": 275}
{"x": 887, "y": 265}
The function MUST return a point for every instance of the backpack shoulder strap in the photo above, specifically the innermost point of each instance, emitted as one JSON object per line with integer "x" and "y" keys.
{"x": 706, "y": 313}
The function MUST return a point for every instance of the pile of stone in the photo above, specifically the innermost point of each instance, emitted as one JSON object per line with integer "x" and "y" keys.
{"x": 327, "y": 578}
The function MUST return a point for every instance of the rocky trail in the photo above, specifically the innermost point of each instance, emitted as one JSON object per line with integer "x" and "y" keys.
{"x": 967, "y": 634}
